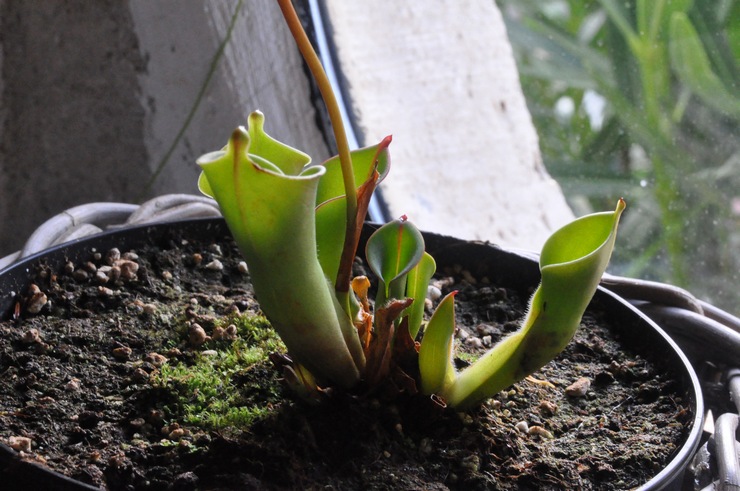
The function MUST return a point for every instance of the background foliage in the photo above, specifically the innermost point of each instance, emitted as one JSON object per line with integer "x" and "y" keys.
{"x": 640, "y": 99}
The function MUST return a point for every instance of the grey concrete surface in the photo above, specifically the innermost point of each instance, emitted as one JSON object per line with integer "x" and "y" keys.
{"x": 92, "y": 95}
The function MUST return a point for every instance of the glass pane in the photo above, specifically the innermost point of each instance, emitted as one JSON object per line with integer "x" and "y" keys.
{"x": 641, "y": 99}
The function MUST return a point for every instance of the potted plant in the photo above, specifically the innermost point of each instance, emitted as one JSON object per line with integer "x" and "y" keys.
{"x": 299, "y": 227}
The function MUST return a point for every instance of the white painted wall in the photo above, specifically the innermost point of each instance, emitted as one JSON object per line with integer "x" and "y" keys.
{"x": 440, "y": 76}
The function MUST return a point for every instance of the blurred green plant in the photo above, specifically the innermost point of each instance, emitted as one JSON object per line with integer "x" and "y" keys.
{"x": 640, "y": 99}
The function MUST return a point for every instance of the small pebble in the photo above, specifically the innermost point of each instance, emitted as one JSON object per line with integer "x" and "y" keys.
{"x": 523, "y": 427}
{"x": 139, "y": 375}
{"x": 197, "y": 335}
{"x": 578, "y": 388}
{"x": 37, "y": 299}
{"x": 487, "y": 330}
{"x": 487, "y": 341}
{"x": 80, "y": 275}
{"x": 69, "y": 267}
{"x": 215, "y": 265}
{"x": 216, "y": 249}
{"x": 31, "y": 336}
{"x": 166, "y": 430}
{"x": 112, "y": 256}
{"x": 166, "y": 275}
{"x": 20, "y": 443}
{"x": 227, "y": 334}
{"x": 186, "y": 480}
{"x": 197, "y": 259}
{"x": 540, "y": 431}
{"x": 122, "y": 353}
{"x": 174, "y": 353}
{"x": 443, "y": 282}
{"x": 548, "y": 407}
{"x": 131, "y": 256}
{"x": 149, "y": 308}
{"x": 474, "y": 342}
{"x": 176, "y": 434}
{"x": 433, "y": 293}
{"x": 101, "y": 277}
{"x": 155, "y": 359}
{"x": 128, "y": 269}
{"x": 137, "y": 423}
{"x": 242, "y": 267}
{"x": 73, "y": 385}
{"x": 107, "y": 292}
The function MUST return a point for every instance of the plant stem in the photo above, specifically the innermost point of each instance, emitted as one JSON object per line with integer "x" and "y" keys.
{"x": 327, "y": 94}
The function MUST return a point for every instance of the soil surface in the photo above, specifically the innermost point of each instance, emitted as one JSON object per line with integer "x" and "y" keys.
{"x": 82, "y": 391}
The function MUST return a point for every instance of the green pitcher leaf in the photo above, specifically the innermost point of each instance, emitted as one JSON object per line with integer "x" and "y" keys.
{"x": 364, "y": 162}
{"x": 417, "y": 284}
{"x": 269, "y": 208}
{"x": 331, "y": 217}
{"x": 572, "y": 262}
{"x": 393, "y": 250}
{"x": 272, "y": 153}
{"x": 203, "y": 185}
{"x": 435, "y": 355}
{"x": 370, "y": 164}
{"x": 694, "y": 69}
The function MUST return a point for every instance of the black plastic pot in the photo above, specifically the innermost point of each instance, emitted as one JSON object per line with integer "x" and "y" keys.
{"x": 501, "y": 266}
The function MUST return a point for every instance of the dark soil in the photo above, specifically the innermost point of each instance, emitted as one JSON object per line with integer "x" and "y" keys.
{"x": 88, "y": 395}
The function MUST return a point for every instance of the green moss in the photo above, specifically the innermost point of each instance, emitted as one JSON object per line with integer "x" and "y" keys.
{"x": 233, "y": 387}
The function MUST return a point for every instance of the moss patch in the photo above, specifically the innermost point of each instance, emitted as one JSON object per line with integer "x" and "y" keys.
{"x": 224, "y": 384}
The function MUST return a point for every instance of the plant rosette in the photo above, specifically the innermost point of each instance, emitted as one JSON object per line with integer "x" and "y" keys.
{"x": 118, "y": 384}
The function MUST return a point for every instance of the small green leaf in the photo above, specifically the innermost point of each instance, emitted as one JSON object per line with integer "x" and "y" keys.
{"x": 435, "y": 355}
{"x": 572, "y": 262}
{"x": 417, "y": 284}
{"x": 393, "y": 250}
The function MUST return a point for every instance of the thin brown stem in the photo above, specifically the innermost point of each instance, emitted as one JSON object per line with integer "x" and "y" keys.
{"x": 327, "y": 94}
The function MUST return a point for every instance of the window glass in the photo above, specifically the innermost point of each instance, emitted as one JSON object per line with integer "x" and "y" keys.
{"x": 641, "y": 99}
